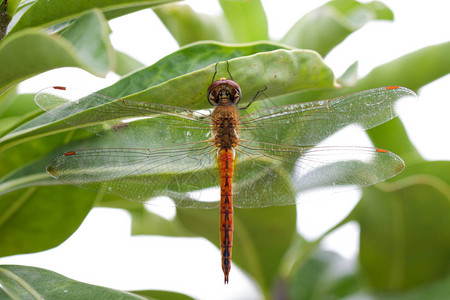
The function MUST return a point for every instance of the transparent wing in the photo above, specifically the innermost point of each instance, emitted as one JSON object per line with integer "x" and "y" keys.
{"x": 101, "y": 113}
{"x": 180, "y": 161}
{"x": 147, "y": 149}
{"x": 270, "y": 174}
{"x": 307, "y": 124}
{"x": 180, "y": 172}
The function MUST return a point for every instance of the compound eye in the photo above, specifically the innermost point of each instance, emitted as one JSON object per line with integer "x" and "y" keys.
{"x": 212, "y": 98}
{"x": 237, "y": 96}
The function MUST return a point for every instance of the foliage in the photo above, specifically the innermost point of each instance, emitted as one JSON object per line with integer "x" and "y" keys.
{"x": 405, "y": 229}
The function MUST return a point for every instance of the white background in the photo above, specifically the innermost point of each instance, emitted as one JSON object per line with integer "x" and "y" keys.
{"x": 103, "y": 252}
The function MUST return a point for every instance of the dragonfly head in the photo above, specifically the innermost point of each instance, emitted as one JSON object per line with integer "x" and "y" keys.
{"x": 224, "y": 92}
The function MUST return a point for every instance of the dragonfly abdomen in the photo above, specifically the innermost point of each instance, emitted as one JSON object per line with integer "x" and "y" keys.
{"x": 225, "y": 127}
{"x": 226, "y": 168}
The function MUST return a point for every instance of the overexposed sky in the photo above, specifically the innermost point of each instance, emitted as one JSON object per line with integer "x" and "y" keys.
{"x": 102, "y": 252}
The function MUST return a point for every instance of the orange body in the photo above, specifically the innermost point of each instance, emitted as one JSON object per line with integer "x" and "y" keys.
{"x": 226, "y": 167}
{"x": 225, "y": 128}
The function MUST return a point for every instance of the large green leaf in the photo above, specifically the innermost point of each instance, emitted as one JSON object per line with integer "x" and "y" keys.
{"x": 126, "y": 64}
{"x": 15, "y": 110}
{"x": 37, "y": 219}
{"x": 325, "y": 27}
{"x": 282, "y": 71}
{"x": 186, "y": 60}
{"x": 436, "y": 290}
{"x": 307, "y": 66}
{"x": 405, "y": 232}
{"x": 412, "y": 70}
{"x": 14, "y": 105}
{"x": 47, "y": 13}
{"x": 85, "y": 44}
{"x": 28, "y": 174}
{"x": 162, "y": 295}
{"x": 95, "y": 48}
{"x": 438, "y": 169}
{"x": 247, "y": 20}
{"x": 144, "y": 222}
{"x": 392, "y": 135}
{"x": 324, "y": 275}
{"x": 22, "y": 282}
{"x": 299, "y": 70}
{"x": 12, "y": 6}
{"x": 187, "y": 26}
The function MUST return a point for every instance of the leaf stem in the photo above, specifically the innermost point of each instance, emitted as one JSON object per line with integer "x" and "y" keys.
{"x": 4, "y": 19}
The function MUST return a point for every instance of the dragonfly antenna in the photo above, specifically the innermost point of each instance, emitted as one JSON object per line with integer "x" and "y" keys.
{"x": 215, "y": 72}
{"x": 228, "y": 70}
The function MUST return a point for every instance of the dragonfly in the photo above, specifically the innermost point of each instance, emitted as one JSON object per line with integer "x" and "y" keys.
{"x": 259, "y": 159}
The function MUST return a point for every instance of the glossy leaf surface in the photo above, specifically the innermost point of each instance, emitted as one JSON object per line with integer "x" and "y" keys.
{"x": 86, "y": 49}
{"x": 325, "y": 27}
{"x": 47, "y": 13}
{"x": 21, "y": 282}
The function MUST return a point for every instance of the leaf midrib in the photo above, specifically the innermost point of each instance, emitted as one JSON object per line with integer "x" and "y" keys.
{"x": 35, "y": 294}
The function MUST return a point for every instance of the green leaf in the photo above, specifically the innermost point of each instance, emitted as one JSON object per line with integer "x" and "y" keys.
{"x": 126, "y": 64}
{"x": 86, "y": 49}
{"x": 327, "y": 26}
{"x": 392, "y": 135}
{"x": 23, "y": 282}
{"x": 41, "y": 217}
{"x": 247, "y": 20}
{"x": 186, "y": 60}
{"x": 12, "y": 6}
{"x": 304, "y": 70}
{"x": 325, "y": 275}
{"x": 38, "y": 219}
{"x": 187, "y": 26}
{"x": 412, "y": 70}
{"x": 350, "y": 76}
{"x": 282, "y": 71}
{"x": 18, "y": 109}
{"x": 405, "y": 232}
{"x": 434, "y": 291}
{"x": 301, "y": 70}
{"x": 438, "y": 169}
{"x": 162, "y": 295}
{"x": 47, "y": 13}
{"x": 3, "y": 295}
{"x": 95, "y": 48}
{"x": 15, "y": 105}
{"x": 144, "y": 222}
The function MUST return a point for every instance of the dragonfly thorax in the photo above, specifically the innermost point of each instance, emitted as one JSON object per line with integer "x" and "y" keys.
{"x": 225, "y": 127}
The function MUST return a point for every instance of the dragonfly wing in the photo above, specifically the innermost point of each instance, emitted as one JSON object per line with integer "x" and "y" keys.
{"x": 307, "y": 124}
{"x": 100, "y": 113}
{"x": 179, "y": 171}
{"x": 285, "y": 171}
{"x": 344, "y": 166}
{"x": 259, "y": 183}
